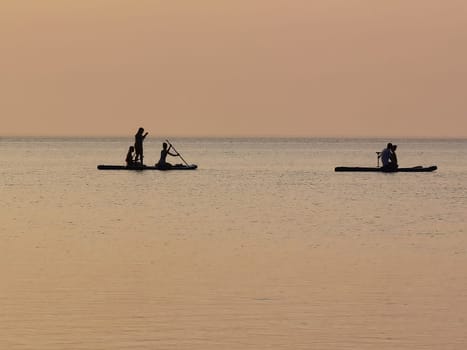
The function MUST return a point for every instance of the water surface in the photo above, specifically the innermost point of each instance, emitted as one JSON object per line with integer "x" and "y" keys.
{"x": 264, "y": 246}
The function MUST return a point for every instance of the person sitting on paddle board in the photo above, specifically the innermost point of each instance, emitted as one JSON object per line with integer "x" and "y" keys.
{"x": 162, "y": 164}
{"x": 130, "y": 161}
{"x": 386, "y": 155}
{"x": 139, "y": 138}
{"x": 393, "y": 157}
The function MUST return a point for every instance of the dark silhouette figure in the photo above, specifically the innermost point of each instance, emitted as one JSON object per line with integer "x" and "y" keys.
{"x": 162, "y": 164}
{"x": 139, "y": 138}
{"x": 393, "y": 157}
{"x": 385, "y": 155}
{"x": 130, "y": 160}
{"x": 388, "y": 158}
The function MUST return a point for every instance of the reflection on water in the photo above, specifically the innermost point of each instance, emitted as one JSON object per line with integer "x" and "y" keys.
{"x": 263, "y": 247}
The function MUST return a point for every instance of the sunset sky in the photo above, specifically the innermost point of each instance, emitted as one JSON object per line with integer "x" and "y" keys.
{"x": 234, "y": 68}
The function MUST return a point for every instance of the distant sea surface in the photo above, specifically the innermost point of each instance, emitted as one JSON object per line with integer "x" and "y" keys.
{"x": 263, "y": 247}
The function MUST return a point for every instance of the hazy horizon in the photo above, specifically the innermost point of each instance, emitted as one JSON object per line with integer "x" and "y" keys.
{"x": 334, "y": 68}
{"x": 151, "y": 138}
{"x": 132, "y": 132}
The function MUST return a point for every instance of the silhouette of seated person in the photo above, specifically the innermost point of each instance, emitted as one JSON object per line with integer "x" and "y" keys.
{"x": 130, "y": 157}
{"x": 163, "y": 164}
{"x": 388, "y": 158}
{"x": 393, "y": 157}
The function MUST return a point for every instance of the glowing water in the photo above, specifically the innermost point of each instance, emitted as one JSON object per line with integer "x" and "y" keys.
{"x": 263, "y": 247}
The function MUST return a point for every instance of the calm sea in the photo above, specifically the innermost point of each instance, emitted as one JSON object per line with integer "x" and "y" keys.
{"x": 263, "y": 247}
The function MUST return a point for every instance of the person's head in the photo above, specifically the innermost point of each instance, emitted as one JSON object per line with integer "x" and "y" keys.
{"x": 164, "y": 145}
{"x": 389, "y": 146}
{"x": 131, "y": 149}
{"x": 140, "y": 130}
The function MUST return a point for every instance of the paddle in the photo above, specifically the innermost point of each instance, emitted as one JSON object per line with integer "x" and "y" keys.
{"x": 177, "y": 152}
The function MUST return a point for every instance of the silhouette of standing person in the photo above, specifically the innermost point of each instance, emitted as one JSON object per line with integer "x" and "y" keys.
{"x": 139, "y": 138}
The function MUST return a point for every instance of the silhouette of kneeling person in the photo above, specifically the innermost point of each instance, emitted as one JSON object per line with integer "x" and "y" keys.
{"x": 130, "y": 160}
{"x": 162, "y": 164}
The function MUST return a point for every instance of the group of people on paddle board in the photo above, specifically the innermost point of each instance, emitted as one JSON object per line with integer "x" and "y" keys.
{"x": 134, "y": 157}
{"x": 388, "y": 157}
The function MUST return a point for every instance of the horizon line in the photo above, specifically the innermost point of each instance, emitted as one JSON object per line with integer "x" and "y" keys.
{"x": 344, "y": 137}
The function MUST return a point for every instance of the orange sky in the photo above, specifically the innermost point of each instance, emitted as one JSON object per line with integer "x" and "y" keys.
{"x": 234, "y": 68}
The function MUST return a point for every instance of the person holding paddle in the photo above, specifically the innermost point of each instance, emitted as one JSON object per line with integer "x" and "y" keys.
{"x": 162, "y": 164}
{"x": 139, "y": 138}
